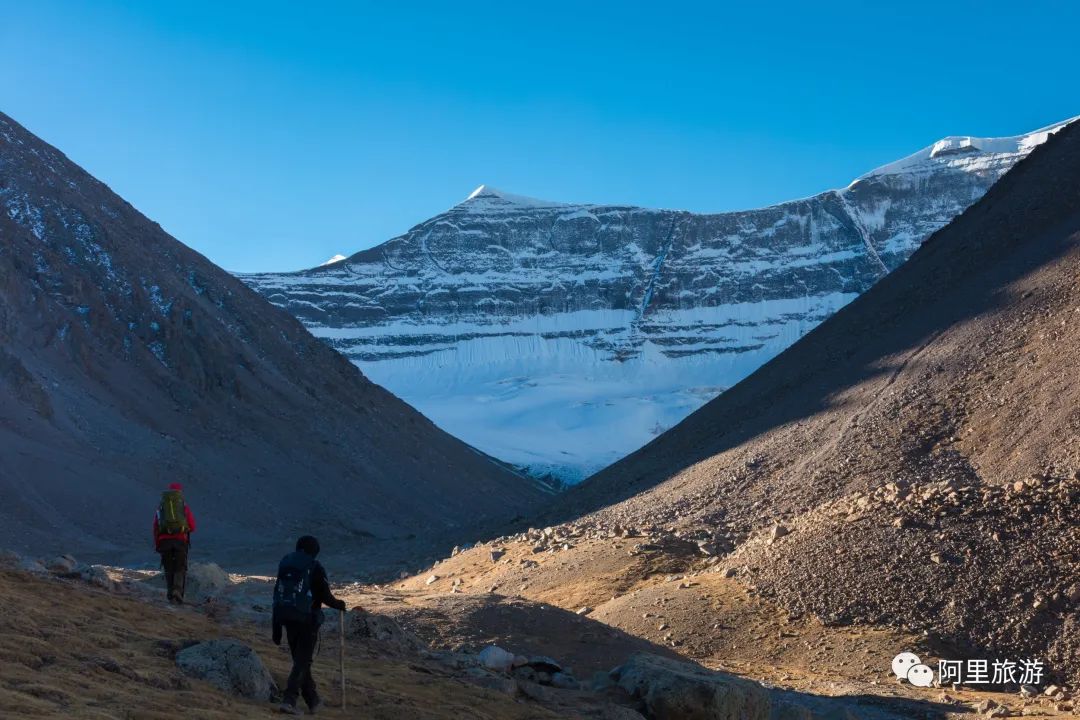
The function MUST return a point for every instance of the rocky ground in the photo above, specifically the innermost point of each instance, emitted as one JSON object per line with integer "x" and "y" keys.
{"x": 105, "y": 644}
{"x": 664, "y": 586}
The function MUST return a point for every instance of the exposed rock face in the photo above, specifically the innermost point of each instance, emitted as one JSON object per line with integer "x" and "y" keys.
{"x": 562, "y": 336}
{"x": 229, "y": 665}
{"x": 921, "y": 444}
{"x": 128, "y": 360}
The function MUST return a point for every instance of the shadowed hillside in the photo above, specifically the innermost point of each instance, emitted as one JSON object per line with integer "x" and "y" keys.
{"x": 127, "y": 361}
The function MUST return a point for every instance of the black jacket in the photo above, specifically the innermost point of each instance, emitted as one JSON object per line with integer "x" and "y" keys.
{"x": 321, "y": 595}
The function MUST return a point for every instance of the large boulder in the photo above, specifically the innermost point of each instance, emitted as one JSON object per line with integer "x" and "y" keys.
{"x": 205, "y": 581}
{"x": 229, "y": 665}
{"x": 671, "y": 690}
{"x": 382, "y": 630}
{"x": 679, "y": 691}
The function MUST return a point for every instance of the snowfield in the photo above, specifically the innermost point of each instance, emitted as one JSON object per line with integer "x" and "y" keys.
{"x": 560, "y": 337}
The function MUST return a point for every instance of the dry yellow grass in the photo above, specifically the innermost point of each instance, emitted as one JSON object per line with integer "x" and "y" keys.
{"x": 68, "y": 651}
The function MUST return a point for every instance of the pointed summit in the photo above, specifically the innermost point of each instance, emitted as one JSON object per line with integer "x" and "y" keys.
{"x": 484, "y": 192}
{"x": 486, "y": 198}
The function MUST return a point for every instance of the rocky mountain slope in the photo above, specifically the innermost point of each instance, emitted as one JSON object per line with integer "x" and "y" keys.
{"x": 560, "y": 337}
{"x": 915, "y": 460}
{"x": 128, "y": 361}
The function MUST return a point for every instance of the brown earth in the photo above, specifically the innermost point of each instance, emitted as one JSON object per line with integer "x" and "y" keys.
{"x": 127, "y": 361}
{"x": 923, "y": 444}
{"x": 671, "y": 602}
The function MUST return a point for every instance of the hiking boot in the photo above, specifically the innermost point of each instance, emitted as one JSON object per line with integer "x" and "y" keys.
{"x": 287, "y": 708}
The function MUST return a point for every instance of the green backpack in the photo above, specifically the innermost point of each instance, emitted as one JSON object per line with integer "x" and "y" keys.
{"x": 172, "y": 520}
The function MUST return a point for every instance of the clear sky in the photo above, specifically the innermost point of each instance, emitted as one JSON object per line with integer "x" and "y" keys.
{"x": 272, "y": 135}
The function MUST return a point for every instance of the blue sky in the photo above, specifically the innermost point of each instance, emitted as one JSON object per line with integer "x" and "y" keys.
{"x": 270, "y": 135}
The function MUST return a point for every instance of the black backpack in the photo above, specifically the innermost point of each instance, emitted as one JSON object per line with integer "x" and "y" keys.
{"x": 293, "y": 599}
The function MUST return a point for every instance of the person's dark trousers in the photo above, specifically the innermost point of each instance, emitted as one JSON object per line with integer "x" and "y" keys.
{"x": 174, "y": 560}
{"x": 302, "y": 638}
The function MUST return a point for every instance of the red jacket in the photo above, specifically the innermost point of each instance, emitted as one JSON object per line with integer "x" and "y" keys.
{"x": 186, "y": 537}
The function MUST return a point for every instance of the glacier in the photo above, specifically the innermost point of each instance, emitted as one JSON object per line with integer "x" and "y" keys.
{"x": 558, "y": 337}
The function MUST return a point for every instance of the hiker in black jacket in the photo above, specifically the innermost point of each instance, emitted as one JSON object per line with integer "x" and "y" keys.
{"x": 301, "y": 590}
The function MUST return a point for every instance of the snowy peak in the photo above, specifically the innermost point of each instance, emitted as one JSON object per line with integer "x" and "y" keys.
{"x": 971, "y": 154}
{"x": 954, "y": 146}
{"x": 488, "y": 199}
{"x": 484, "y": 192}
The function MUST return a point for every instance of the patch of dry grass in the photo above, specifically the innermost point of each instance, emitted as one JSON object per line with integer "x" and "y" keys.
{"x": 70, "y": 651}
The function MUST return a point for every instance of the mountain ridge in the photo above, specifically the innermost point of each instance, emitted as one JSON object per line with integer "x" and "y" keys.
{"x": 560, "y": 337}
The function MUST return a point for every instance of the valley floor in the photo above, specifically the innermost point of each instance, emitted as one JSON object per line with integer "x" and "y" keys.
{"x": 680, "y": 606}
{"x": 68, "y": 649}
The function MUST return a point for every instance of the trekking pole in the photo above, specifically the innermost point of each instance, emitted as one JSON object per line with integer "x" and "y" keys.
{"x": 341, "y": 654}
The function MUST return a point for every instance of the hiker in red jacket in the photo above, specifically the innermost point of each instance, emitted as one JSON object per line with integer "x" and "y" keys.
{"x": 173, "y": 525}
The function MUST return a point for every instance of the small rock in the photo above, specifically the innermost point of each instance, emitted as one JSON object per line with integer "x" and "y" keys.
{"x": 31, "y": 566}
{"x": 778, "y": 531}
{"x": 432, "y": 579}
{"x": 63, "y": 564}
{"x": 526, "y": 673}
{"x": 99, "y": 577}
{"x": 584, "y": 610}
{"x": 488, "y": 681}
{"x": 495, "y": 658}
{"x": 542, "y": 663}
{"x": 564, "y": 681}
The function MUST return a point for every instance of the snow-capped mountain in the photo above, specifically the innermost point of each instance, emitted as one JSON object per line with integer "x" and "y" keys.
{"x": 560, "y": 337}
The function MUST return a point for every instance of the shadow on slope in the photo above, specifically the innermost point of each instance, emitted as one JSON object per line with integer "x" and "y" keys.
{"x": 1026, "y": 222}
{"x": 127, "y": 360}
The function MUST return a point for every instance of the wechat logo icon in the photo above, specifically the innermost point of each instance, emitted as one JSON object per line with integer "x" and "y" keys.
{"x": 908, "y": 666}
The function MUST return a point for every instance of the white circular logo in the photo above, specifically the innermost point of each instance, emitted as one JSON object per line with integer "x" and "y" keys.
{"x": 920, "y": 675}
{"x": 904, "y": 662}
